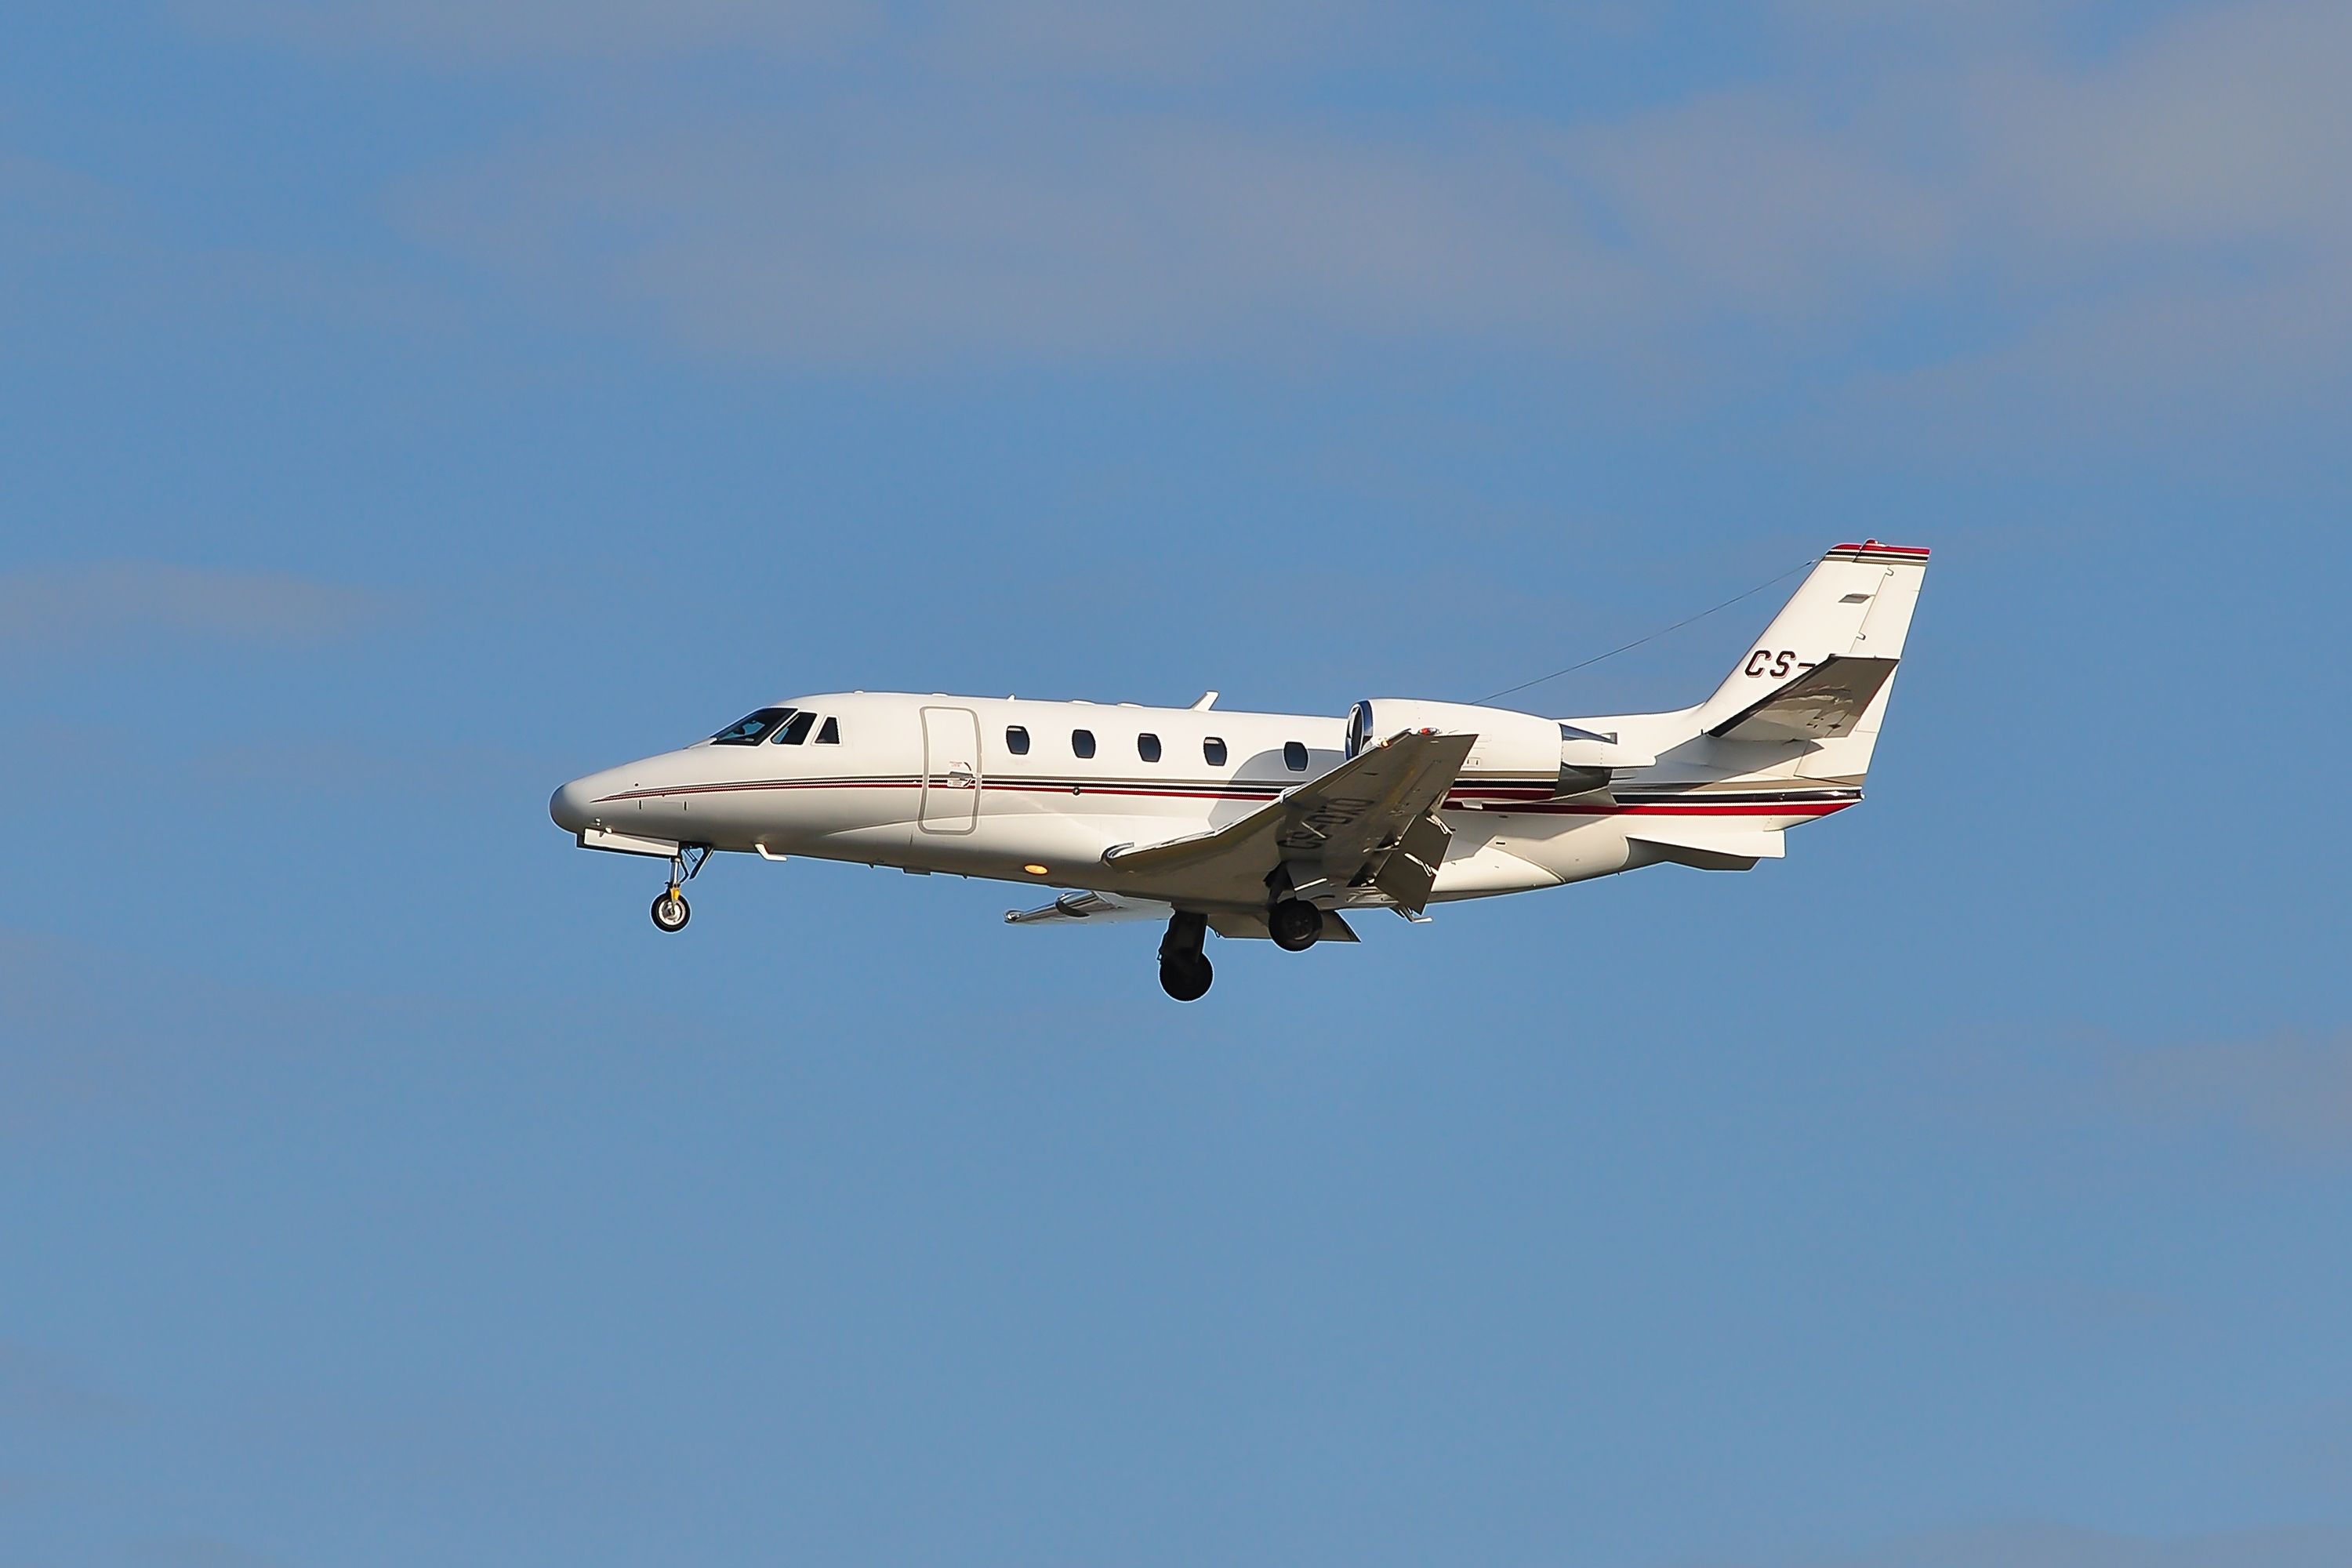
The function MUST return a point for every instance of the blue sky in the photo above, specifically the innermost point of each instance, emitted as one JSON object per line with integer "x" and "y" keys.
{"x": 403, "y": 409}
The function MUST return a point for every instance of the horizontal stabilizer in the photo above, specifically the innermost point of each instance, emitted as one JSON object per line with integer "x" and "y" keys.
{"x": 1704, "y": 844}
{"x": 1823, "y": 704}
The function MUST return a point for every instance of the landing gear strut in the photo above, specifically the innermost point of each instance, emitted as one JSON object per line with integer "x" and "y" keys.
{"x": 670, "y": 910}
{"x": 1294, "y": 925}
{"x": 1184, "y": 969}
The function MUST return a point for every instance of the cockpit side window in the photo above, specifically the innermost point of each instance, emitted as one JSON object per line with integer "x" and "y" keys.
{"x": 796, "y": 729}
{"x": 753, "y": 728}
{"x": 829, "y": 732}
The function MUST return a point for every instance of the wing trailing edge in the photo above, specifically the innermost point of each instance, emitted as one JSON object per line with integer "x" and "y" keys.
{"x": 1343, "y": 830}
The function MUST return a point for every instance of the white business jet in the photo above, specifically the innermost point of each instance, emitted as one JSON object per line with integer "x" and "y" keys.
{"x": 1282, "y": 825}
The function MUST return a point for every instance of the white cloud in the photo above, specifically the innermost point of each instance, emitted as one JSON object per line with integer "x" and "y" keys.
{"x": 1748, "y": 204}
{"x": 2289, "y": 1089}
{"x": 107, "y": 604}
{"x": 1023, "y": 40}
{"x": 475, "y": 33}
{"x": 844, "y": 241}
{"x": 1950, "y": 224}
{"x": 41, "y": 1395}
{"x": 930, "y": 216}
{"x": 2230, "y": 128}
{"x": 2064, "y": 1546}
{"x": 2285, "y": 1093}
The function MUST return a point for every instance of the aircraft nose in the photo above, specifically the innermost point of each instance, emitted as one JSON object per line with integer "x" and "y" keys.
{"x": 571, "y": 807}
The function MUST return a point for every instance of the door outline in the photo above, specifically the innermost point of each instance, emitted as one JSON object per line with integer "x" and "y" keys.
{"x": 952, "y": 772}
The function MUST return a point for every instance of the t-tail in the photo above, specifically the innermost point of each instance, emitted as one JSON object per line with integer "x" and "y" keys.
{"x": 1804, "y": 704}
{"x": 1786, "y": 739}
{"x": 1808, "y": 699}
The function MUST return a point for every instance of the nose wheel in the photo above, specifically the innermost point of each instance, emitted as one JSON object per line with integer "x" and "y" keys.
{"x": 670, "y": 910}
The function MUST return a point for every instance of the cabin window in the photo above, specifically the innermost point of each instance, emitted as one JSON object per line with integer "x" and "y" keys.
{"x": 1212, "y": 752}
{"x": 753, "y": 728}
{"x": 829, "y": 732}
{"x": 1082, "y": 742}
{"x": 1294, "y": 756}
{"x": 1147, "y": 747}
{"x": 1016, "y": 740}
{"x": 796, "y": 729}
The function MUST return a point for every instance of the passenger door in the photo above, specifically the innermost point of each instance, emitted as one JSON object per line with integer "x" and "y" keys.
{"x": 950, "y": 801}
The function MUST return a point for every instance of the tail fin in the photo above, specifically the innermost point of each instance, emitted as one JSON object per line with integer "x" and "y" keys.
{"x": 1821, "y": 673}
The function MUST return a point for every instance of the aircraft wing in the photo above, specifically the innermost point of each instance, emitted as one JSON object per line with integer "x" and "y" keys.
{"x": 1095, "y": 909}
{"x": 1369, "y": 820}
{"x": 1821, "y": 704}
{"x": 1105, "y": 908}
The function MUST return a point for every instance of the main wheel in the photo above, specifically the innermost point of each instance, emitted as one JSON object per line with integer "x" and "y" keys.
{"x": 1294, "y": 925}
{"x": 670, "y": 913}
{"x": 1186, "y": 978}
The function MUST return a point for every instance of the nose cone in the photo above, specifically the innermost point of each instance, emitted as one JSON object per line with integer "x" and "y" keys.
{"x": 570, "y": 808}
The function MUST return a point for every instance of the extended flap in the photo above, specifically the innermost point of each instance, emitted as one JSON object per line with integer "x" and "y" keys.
{"x": 1409, "y": 871}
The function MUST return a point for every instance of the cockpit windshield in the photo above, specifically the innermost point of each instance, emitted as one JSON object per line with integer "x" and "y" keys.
{"x": 753, "y": 728}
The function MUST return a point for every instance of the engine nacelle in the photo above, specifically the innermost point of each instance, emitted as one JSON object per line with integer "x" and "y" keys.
{"x": 1512, "y": 748}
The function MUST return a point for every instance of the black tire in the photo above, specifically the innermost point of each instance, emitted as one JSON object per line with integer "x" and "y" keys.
{"x": 1186, "y": 978}
{"x": 670, "y": 911}
{"x": 1294, "y": 925}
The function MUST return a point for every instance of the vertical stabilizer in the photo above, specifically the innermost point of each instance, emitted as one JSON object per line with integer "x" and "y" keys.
{"x": 1854, "y": 608}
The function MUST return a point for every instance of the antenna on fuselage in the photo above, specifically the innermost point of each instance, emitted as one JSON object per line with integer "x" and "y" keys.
{"x": 1208, "y": 701}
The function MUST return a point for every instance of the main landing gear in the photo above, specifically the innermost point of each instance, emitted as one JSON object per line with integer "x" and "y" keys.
{"x": 1294, "y": 925}
{"x": 1185, "y": 970}
{"x": 671, "y": 910}
{"x": 1184, "y": 973}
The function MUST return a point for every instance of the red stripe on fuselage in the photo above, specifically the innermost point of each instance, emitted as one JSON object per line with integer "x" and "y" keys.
{"x": 1491, "y": 801}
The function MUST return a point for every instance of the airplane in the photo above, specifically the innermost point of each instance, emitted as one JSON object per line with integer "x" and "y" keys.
{"x": 1280, "y": 826}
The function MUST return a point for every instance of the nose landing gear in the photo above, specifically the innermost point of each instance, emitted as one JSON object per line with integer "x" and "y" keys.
{"x": 1185, "y": 970}
{"x": 670, "y": 910}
